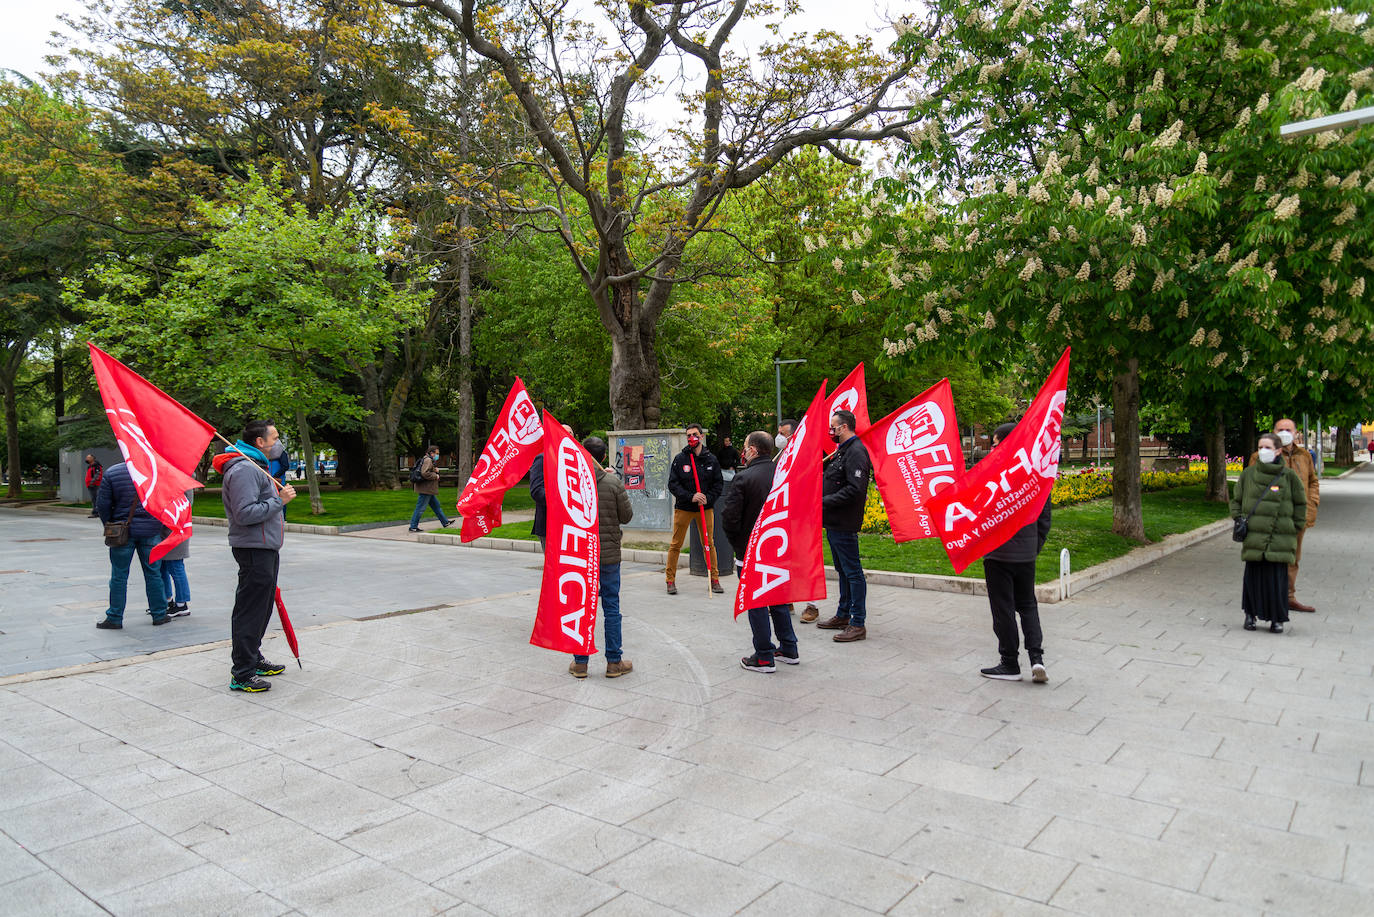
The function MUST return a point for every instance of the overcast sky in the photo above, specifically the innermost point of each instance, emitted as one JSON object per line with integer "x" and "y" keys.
{"x": 24, "y": 28}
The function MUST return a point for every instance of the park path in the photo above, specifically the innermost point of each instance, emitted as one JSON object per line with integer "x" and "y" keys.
{"x": 435, "y": 762}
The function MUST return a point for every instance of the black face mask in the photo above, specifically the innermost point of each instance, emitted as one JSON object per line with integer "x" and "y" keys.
{"x": 835, "y": 438}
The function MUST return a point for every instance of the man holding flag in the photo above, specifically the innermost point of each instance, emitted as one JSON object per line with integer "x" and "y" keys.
{"x": 842, "y": 513}
{"x": 257, "y": 527}
{"x": 696, "y": 482}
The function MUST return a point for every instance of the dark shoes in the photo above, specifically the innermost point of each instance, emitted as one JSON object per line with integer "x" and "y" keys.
{"x": 270, "y": 668}
{"x": 672, "y": 588}
{"x": 755, "y": 664}
{"x": 177, "y": 611}
{"x": 412, "y": 530}
{"x": 809, "y": 614}
{"x": 577, "y": 669}
{"x": 1295, "y": 605}
{"x": 851, "y": 634}
{"x": 1249, "y": 622}
{"x": 716, "y": 587}
{"x": 448, "y": 522}
{"x": 252, "y": 685}
{"x": 835, "y": 623}
{"x": 1003, "y": 672}
{"x": 159, "y": 620}
{"x": 1276, "y": 628}
{"x": 782, "y": 656}
{"x": 110, "y": 624}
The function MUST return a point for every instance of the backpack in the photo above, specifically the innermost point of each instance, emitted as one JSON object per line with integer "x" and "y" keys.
{"x": 415, "y": 476}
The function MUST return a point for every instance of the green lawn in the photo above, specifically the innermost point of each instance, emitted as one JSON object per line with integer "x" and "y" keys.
{"x": 356, "y": 507}
{"x": 1331, "y": 469}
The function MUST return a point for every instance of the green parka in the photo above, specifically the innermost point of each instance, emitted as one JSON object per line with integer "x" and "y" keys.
{"x": 1280, "y": 515}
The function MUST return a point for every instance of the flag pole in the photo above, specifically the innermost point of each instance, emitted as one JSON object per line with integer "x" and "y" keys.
{"x": 275, "y": 482}
{"x": 705, "y": 535}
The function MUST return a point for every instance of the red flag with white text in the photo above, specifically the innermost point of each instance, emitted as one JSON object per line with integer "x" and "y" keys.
{"x": 566, "y": 619}
{"x": 161, "y": 441}
{"x": 1009, "y": 487}
{"x": 784, "y": 562}
{"x": 506, "y": 457}
{"x": 916, "y": 452}
{"x": 852, "y": 396}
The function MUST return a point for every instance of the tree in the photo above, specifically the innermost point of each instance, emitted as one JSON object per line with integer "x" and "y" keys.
{"x": 1108, "y": 174}
{"x": 279, "y": 306}
{"x": 626, "y": 212}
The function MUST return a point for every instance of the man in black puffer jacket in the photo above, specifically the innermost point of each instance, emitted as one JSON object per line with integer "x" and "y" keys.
{"x": 117, "y": 501}
{"x": 738, "y": 513}
{"x": 1009, "y": 572}
{"x": 693, "y": 467}
{"x": 844, "y": 489}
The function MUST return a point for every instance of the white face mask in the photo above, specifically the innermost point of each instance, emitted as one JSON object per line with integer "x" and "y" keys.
{"x": 1286, "y": 437}
{"x": 1267, "y": 455}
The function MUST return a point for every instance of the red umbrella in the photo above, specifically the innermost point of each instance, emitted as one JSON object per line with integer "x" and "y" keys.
{"x": 288, "y": 629}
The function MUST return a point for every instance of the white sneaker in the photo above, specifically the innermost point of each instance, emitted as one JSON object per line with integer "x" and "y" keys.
{"x": 1038, "y": 673}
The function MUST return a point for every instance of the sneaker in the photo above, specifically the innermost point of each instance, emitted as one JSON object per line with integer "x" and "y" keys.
{"x": 809, "y": 614}
{"x": 1003, "y": 672}
{"x": 448, "y": 522}
{"x": 269, "y": 668}
{"x": 781, "y": 655}
{"x": 716, "y": 586}
{"x": 851, "y": 634}
{"x": 577, "y": 669}
{"x": 177, "y": 611}
{"x": 755, "y": 664}
{"x": 672, "y": 588}
{"x": 252, "y": 685}
{"x": 110, "y": 624}
{"x": 1038, "y": 673}
{"x": 616, "y": 669}
{"x": 159, "y": 620}
{"x": 412, "y": 530}
{"x": 835, "y": 623}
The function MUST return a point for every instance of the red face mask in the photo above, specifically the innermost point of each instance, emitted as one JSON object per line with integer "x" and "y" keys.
{"x": 693, "y": 440}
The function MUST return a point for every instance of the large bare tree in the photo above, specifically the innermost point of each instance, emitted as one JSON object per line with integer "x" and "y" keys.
{"x": 628, "y": 205}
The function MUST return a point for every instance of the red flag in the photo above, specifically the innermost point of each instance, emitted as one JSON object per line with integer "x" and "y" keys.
{"x": 850, "y": 395}
{"x": 916, "y": 452}
{"x": 784, "y": 562}
{"x": 161, "y": 441}
{"x": 566, "y": 619}
{"x": 1009, "y": 487}
{"x": 507, "y": 456}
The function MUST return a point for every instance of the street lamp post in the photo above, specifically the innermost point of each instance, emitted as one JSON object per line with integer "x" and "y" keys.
{"x": 777, "y": 383}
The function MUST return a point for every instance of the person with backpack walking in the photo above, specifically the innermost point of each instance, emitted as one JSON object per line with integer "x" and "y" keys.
{"x": 425, "y": 477}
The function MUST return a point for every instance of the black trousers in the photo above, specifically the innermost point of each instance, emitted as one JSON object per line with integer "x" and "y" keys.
{"x": 253, "y": 601}
{"x": 1011, "y": 591}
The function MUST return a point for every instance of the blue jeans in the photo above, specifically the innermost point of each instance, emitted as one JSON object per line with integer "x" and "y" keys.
{"x": 610, "y": 613}
{"x": 844, "y": 551}
{"x": 174, "y": 573}
{"x": 121, "y": 558}
{"x": 423, "y": 500}
{"x": 759, "y": 619}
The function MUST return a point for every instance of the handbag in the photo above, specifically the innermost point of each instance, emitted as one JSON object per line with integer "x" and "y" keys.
{"x": 117, "y": 533}
{"x": 1240, "y": 526}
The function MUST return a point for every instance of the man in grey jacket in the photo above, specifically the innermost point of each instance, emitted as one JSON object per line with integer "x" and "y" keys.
{"x": 1009, "y": 572}
{"x": 257, "y": 526}
{"x": 613, "y": 511}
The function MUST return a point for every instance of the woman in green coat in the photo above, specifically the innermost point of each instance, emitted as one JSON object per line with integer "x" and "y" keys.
{"x": 1276, "y": 501}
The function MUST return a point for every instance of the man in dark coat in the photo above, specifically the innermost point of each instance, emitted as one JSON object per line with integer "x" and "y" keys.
{"x": 1009, "y": 572}
{"x": 690, "y": 466}
{"x": 727, "y": 454}
{"x": 117, "y": 501}
{"x": 613, "y": 510}
{"x": 738, "y": 512}
{"x": 541, "y": 508}
{"x": 844, "y": 493}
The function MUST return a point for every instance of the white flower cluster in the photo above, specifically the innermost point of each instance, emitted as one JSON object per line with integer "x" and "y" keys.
{"x": 1084, "y": 272}
{"x": 1311, "y": 80}
{"x": 1287, "y": 207}
{"x": 1170, "y": 136}
{"x": 838, "y": 265}
{"x": 1135, "y": 122}
{"x": 1214, "y": 338}
{"x": 1038, "y": 194}
{"x": 858, "y": 298}
{"x": 1337, "y": 251}
{"x": 1123, "y": 277}
{"x": 1200, "y": 167}
{"x": 1345, "y": 216}
{"x": 989, "y": 321}
{"x": 1032, "y": 266}
{"x": 1198, "y": 337}
{"x": 1183, "y": 309}
{"x": 1217, "y": 360}
{"x": 1138, "y": 239}
{"x": 1357, "y": 288}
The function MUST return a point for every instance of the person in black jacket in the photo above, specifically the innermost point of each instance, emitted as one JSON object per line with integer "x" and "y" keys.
{"x": 691, "y": 465}
{"x": 844, "y": 491}
{"x": 1009, "y": 572}
{"x": 727, "y": 454}
{"x": 541, "y": 508}
{"x": 117, "y": 501}
{"x": 738, "y": 513}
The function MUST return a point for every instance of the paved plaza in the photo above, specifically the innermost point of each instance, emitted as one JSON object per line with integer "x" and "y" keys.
{"x": 434, "y": 762}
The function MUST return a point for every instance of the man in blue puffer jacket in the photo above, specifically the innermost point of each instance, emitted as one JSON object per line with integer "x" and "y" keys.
{"x": 117, "y": 501}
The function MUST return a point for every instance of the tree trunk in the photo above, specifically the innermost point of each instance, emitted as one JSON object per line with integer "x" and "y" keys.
{"x": 381, "y": 433}
{"x": 59, "y": 382}
{"x": 312, "y": 482}
{"x": 635, "y": 393}
{"x": 1247, "y": 434}
{"x": 465, "y": 456}
{"x": 1128, "y": 518}
{"x": 1216, "y": 459}
{"x": 1345, "y": 449}
{"x": 16, "y": 488}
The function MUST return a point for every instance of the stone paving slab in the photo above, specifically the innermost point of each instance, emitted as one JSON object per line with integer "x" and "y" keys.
{"x": 436, "y": 763}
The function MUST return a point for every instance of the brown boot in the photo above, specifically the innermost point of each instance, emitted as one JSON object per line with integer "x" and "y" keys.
{"x": 851, "y": 634}
{"x": 809, "y": 614}
{"x": 616, "y": 669}
{"x": 716, "y": 586}
{"x": 577, "y": 669}
{"x": 1295, "y": 605}
{"x": 835, "y": 623}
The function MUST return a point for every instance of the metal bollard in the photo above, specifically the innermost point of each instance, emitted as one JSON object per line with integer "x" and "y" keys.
{"x": 1064, "y": 574}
